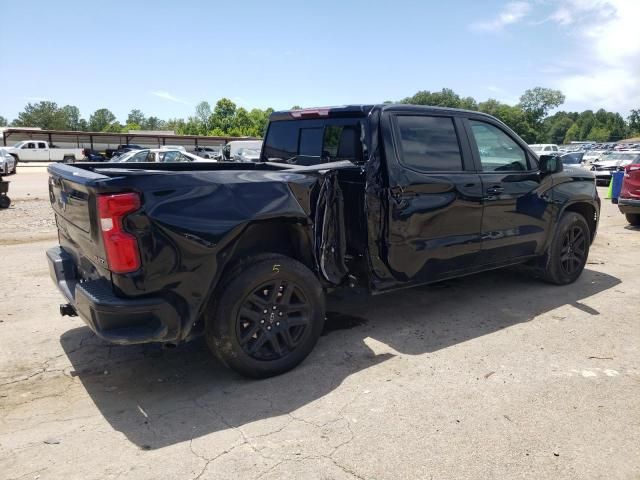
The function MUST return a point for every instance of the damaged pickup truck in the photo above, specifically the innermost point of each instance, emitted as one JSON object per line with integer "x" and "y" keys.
{"x": 379, "y": 197}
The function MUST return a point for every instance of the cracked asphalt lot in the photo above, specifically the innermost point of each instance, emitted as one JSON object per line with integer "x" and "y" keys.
{"x": 491, "y": 376}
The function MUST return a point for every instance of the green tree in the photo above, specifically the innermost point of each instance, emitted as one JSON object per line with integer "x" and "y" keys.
{"x": 599, "y": 134}
{"x": 101, "y": 119}
{"x": 223, "y": 115}
{"x": 113, "y": 127}
{"x": 634, "y": 122}
{"x": 71, "y": 115}
{"x": 203, "y": 113}
{"x": 136, "y": 117}
{"x": 153, "y": 123}
{"x": 513, "y": 116}
{"x": 556, "y": 126}
{"x": 537, "y": 102}
{"x": 572, "y": 134}
{"x": 3, "y": 121}
{"x": 444, "y": 98}
{"x": 45, "y": 115}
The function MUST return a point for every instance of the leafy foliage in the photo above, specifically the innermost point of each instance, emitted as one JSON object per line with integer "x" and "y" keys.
{"x": 529, "y": 118}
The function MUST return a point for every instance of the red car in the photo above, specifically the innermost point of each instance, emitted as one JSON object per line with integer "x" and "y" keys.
{"x": 629, "y": 200}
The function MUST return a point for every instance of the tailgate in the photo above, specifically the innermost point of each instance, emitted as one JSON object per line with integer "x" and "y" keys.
{"x": 72, "y": 193}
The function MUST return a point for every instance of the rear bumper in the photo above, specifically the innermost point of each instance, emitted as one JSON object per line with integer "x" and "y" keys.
{"x": 115, "y": 319}
{"x": 629, "y": 205}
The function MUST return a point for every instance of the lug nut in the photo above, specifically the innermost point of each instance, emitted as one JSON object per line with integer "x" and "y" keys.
{"x": 279, "y": 294}
{"x": 262, "y": 321}
{"x": 277, "y": 324}
{"x": 279, "y": 314}
{"x": 281, "y": 288}
{"x": 269, "y": 327}
{"x": 275, "y": 308}
{"x": 265, "y": 292}
{"x": 265, "y": 311}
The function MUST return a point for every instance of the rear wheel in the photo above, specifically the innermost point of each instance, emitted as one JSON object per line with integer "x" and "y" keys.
{"x": 569, "y": 249}
{"x": 5, "y": 202}
{"x": 267, "y": 318}
{"x": 633, "y": 219}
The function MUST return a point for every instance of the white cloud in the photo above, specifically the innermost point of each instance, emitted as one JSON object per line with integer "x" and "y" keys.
{"x": 513, "y": 12}
{"x": 167, "y": 96}
{"x": 609, "y": 75}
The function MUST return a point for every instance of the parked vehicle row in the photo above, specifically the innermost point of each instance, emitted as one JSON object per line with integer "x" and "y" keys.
{"x": 242, "y": 253}
{"x": 162, "y": 155}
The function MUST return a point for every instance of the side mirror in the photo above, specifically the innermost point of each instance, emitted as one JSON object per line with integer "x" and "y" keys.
{"x": 550, "y": 164}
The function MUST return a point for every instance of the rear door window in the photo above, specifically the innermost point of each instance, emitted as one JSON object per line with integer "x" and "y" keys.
{"x": 282, "y": 141}
{"x": 310, "y": 142}
{"x": 428, "y": 143}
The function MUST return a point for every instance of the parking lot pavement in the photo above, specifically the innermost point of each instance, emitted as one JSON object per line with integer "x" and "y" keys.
{"x": 491, "y": 376}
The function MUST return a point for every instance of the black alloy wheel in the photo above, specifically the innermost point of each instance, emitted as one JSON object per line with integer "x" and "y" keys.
{"x": 572, "y": 254}
{"x": 272, "y": 319}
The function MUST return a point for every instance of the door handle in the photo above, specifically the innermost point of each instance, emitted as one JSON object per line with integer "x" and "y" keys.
{"x": 495, "y": 190}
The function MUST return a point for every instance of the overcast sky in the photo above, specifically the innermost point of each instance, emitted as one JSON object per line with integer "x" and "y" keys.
{"x": 163, "y": 57}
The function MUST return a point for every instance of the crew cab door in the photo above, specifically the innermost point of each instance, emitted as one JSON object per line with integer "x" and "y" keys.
{"x": 29, "y": 151}
{"x": 42, "y": 152}
{"x": 434, "y": 198}
{"x": 516, "y": 216}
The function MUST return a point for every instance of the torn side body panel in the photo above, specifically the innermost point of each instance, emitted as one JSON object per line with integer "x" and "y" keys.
{"x": 329, "y": 234}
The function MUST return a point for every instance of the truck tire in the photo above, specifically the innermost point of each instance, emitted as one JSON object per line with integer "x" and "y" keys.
{"x": 68, "y": 159}
{"x": 633, "y": 219}
{"x": 5, "y": 202}
{"x": 267, "y": 317}
{"x": 569, "y": 249}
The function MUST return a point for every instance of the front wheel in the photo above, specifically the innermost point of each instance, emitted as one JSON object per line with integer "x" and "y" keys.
{"x": 633, "y": 219}
{"x": 268, "y": 317}
{"x": 569, "y": 249}
{"x": 5, "y": 202}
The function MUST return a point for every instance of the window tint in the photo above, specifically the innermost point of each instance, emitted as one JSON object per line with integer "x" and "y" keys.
{"x": 282, "y": 141}
{"x": 429, "y": 143}
{"x": 342, "y": 142}
{"x": 310, "y": 142}
{"x": 31, "y": 145}
{"x": 498, "y": 152}
{"x": 42, "y": 145}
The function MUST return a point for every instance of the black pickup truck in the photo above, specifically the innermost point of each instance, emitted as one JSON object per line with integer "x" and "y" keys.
{"x": 371, "y": 196}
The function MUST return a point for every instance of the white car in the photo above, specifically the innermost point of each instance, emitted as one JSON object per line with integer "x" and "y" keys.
{"x": 544, "y": 148}
{"x": 613, "y": 163}
{"x": 247, "y": 155}
{"x": 230, "y": 150}
{"x": 158, "y": 155}
{"x": 7, "y": 163}
{"x": 41, "y": 151}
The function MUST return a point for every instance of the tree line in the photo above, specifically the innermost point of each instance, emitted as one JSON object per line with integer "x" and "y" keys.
{"x": 529, "y": 118}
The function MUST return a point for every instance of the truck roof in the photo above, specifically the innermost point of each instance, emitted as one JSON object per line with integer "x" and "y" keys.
{"x": 362, "y": 111}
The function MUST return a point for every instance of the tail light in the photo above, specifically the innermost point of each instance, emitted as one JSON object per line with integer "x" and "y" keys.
{"x": 121, "y": 248}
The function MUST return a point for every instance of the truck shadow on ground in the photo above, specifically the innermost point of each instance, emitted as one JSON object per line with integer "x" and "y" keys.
{"x": 158, "y": 397}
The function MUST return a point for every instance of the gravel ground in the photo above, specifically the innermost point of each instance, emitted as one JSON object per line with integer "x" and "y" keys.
{"x": 492, "y": 376}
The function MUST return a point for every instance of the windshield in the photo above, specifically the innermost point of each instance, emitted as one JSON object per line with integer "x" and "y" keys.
{"x": 537, "y": 149}
{"x": 572, "y": 159}
{"x": 249, "y": 151}
{"x": 18, "y": 145}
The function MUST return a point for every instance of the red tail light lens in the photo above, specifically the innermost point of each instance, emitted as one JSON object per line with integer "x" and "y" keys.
{"x": 121, "y": 248}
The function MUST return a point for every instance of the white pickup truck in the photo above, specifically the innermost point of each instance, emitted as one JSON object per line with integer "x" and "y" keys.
{"x": 41, "y": 151}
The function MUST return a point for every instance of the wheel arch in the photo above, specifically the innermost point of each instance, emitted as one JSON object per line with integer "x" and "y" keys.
{"x": 586, "y": 210}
